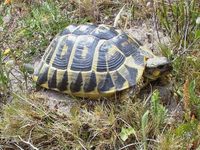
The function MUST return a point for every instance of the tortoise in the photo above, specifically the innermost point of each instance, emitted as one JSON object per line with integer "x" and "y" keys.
{"x": 95, "y": 61}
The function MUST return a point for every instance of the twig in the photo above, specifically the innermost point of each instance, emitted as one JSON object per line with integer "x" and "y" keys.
{"x": 149, "y": 96}
{"x": 186, "y": 50}
{"x": 47, "y": 142}
{"x": 152, "y": 140}
{"x": 15, "y": 77}
{"x": 128, "y": 126}
{"x": 82, "y": 145}
{"x": 124, "y": 121}
{"x": 155, "y": 22}
{"x": 186, "y": 24}
{"x": 18, "y": 146}
{"x": 29, "y": 137}
{"x": 129, "y": 145}
{"x": 28, "y": 143}
{"x": 117, "y": 18}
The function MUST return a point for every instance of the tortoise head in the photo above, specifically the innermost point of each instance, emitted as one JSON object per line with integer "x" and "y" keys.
{"x": 157, "y": 67}
{"x": 29, "y": 68}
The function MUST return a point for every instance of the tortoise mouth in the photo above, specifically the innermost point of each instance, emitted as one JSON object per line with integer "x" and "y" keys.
{"x": 154, "y": 73}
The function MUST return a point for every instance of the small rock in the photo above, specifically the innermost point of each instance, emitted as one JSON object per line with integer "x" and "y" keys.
{"x": 10, "y": 63}
{"x": 6, "y": 19}
{"x": 198, "y": 20}
{"x": 1, "y": 29}
{"x": 149, "y": 4}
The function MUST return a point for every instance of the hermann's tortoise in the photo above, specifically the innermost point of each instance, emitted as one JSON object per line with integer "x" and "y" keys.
{"x": 95, "y": 60}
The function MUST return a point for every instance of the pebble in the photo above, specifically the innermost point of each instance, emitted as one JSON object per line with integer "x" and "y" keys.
{"x": 198, "y": 20}
{"x": 6, "y": 19}
{"x": 1, "y": 29}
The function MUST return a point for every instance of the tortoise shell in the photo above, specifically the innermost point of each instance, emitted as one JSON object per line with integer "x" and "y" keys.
{"x": 91, "y": 61}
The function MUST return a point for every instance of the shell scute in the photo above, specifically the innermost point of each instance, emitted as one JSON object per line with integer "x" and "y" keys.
{"x": 52, "y": 78}
{"x": 109, "y": 57}
{"x": 84, "y": 29}
{"x": 104, "y": 32}
{"x": 68, "y": 30}
{"x": 131, "y": 75}
{"x": 63, "y": 81}
{"x": 125, "y": 44}
{"x": 42, "y": 75}
{"x": 76, "y": 84}
{"x": 118, "y": 80}
{"x": 63, "y": 52}
{"x": 90, "y": 82}
{"x": 105, "y": 84}
{"x": 84, "y": 53}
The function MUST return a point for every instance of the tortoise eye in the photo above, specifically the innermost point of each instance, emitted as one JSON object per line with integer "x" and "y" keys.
{"x": 161, "y": 67}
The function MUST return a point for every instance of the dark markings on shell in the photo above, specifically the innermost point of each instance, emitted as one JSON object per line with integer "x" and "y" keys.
{"x": 138, "y": 58}
{"x": 101, "y": 63}
{"x": 106, "y": 84}
{"x": 104, "y": 33}
{"x": 84, "y": 53}
{"x": 131, "y": 77}
{"x": 52, "y": 81}
{"x": 146, "y": 53}
{"x": 49, "y": 52}
{"x": 119, "y": 80}
{"x": 75, "y": 86}
{"x": 126, "y": 47}
{"x": 42, "y": 77}
{"x": 61, "y": 61}
{"x": 91, "y": 84}
{"x": 84, "y": 29}
{"x": 115, "y": 61}
{"x": 68, "y": 30}
{"x": 107, "y": 61}
{"x": 62, "y": 85}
